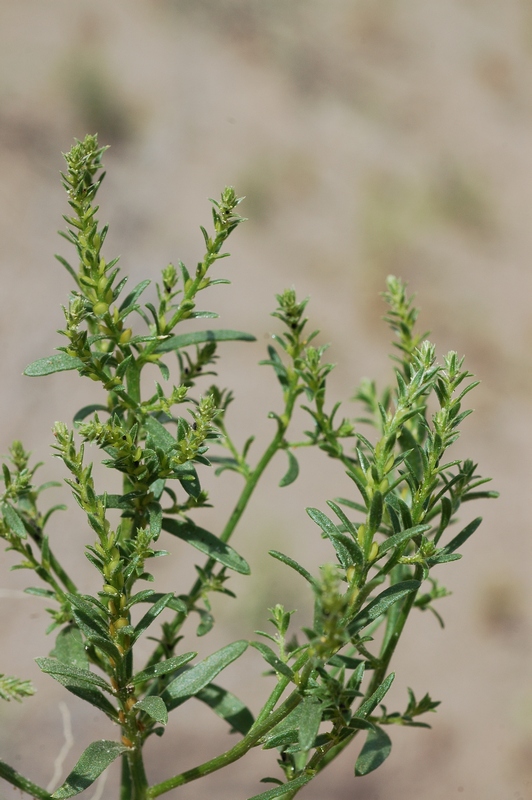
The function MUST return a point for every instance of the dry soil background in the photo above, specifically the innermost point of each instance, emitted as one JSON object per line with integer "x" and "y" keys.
{"x": 370, "y": 138}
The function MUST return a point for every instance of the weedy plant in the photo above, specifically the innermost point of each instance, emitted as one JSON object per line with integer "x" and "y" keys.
{"x": 330, "y": 681}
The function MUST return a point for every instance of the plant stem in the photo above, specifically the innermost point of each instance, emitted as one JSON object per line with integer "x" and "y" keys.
{"x": 240, "y": 749}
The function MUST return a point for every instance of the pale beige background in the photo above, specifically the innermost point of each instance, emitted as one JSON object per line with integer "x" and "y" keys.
{"x": 370, "y": 137}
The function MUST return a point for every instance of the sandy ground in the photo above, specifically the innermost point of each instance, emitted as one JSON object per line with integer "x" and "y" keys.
{"x": 369, "y": 138}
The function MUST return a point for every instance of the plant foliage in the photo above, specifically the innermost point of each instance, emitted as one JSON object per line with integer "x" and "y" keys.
{"x": 330, "y": 682}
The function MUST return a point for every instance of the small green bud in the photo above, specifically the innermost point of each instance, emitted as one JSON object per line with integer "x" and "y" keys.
{"x": 100, "y": 309}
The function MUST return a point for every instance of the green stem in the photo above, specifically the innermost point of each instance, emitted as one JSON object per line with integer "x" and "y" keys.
{"x": 250, "y": 740}
{"x": 249, "y": 487}
{"x": 378, "y": 677}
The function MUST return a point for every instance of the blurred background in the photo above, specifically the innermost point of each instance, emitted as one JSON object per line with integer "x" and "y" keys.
{"x": 369, "y": 138}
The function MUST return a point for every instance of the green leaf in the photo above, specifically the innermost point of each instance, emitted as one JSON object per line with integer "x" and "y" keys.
{"x": 87, "y": 410}
{"x": 298, "y": 568}
{"x": 69, "y": 647}
{"x": 207, "y": 543}
{"x": 79, "y": 683}
{"x": 292, "y": 472}
{"x": 154, "y": 707}
{"x": 189, "y": 481}
{"x": 94, "y": 760}
{"x": 381, "y": 603}
{"x": 152, "y": 614}
{"x": 162, "y": 668}
{"x": 311, "y": 714}
{"x": 279, "y": 791}
{"x": 156, "y": 517}
{"x": 13, "y": 520}
{"x": 375, "y": 512}
{"x": 199, "y": 337}
{"x": 377, "y": 748}
{"x": 347, "y": 550}
{"x": 463, "y": 536}
{"x": 402, "y": 536}
{"x": 160, "y": 437}
{"x": 58, "y": 363}
{"x": 175, "y": 603}
{"x": 16, "y": 779}
{"x": 193, "y": 680}
{"x": 228, "y": 707}
{"x": 61, "y": 672}
{"x": 365, "y": 708}
{"x": 270, "y": 657}
{"x": 133, "y": 296}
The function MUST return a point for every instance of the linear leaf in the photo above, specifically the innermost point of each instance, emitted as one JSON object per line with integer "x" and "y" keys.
{"x": 227, "y": 706}
{"x": 279, "y": 791}
{"x": 463, "y": 536}
{"x": 162, "y": 668}
{"x": 57, "y": 363}
{"x": 154, "y": 707}
{"x": 175, "y": 603}
{"x": 347, "y": 551}
{"x": 365, "y": 709}
{"x": 402, "y": 536}
{"x": 207, "y": 543}
{"x": 61, "y": 671}
{"x": 16, "y": 779}
{"x": 190, "y": 682}
{"x": 291, "y": 563}
{"x": 84, "y": 689}
{"x": 377, "y": 748}
{"x": 86, "y": 410}
{"x": 152, "y": 614}
{"x": 199, "y": 337}
{"x": 273, "y": 660}
{"x": 94, "y": 760}
{"x": 134, "y": 295}
{"x": 381, "y": 603}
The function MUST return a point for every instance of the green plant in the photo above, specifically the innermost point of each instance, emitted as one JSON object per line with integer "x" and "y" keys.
{"x": 330, "y": 684}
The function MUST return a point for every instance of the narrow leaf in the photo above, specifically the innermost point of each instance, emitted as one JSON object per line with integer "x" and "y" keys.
{"x": 58, "y": 363}
{"x": 402, "y": 536}
{"x": 199, "y": 337}
{"x": 270, "y": 657}
{"x": 61, "y": 671}
{"x": 162, "y": 668}
{"x": 155, "y": 708}
{"x": 291, "y": 563}
{"x": 134, "y": 295}
{"x": 192, "y": 680}
{"x": 381, "y": 603}
{"x": 95, "y": 759}
{"x": 207, "y": 543}
{"x": 286, "y": 788}
{"x": 16, "y": 779}
{"x": 463, "y": 536}
{"x": 377, "y": 748}
{"x": 152, "y": 614}
{"x": 292, "y": 472}
{"x": 87, "y": 410}
{"x": 365, "y": 709}
{"x": 228, "y": 707}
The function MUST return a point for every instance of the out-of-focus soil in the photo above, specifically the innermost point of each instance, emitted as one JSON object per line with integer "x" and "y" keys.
{"x": 369, "y": 138}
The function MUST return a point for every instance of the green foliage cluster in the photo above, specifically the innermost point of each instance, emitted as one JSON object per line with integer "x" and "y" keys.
{"x": 331, "y": 678}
